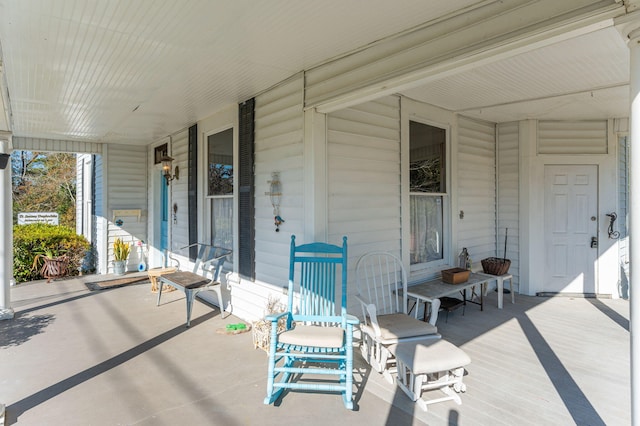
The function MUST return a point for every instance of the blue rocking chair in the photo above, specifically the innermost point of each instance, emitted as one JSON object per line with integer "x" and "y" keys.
{"x": 317, "y": 340}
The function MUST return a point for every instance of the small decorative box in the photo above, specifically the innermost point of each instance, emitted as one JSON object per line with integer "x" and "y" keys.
{"x": 455, "y": 275}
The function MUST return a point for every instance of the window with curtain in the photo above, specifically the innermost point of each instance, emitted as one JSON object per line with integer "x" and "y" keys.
{"x": 220, "y": 188}
{"x": 428, "y": 191}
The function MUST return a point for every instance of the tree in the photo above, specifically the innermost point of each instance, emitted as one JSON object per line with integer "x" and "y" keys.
{"x": 44, "y": 182}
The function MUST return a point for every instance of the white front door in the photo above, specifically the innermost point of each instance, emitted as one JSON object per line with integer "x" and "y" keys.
{"x": 570, "y": 224}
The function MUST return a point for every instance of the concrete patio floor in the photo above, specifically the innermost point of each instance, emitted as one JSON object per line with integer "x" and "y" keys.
{"x": 72, "y": 356}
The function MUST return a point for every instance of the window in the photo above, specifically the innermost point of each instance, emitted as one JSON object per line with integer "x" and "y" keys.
{"x": 220, "y": 188}
{"x": 428, "y": 193}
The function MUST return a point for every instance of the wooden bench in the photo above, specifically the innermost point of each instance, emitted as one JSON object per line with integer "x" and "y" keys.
{"x": 157, "y": 272}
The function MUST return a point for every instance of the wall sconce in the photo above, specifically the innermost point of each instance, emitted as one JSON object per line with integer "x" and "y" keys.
{"x": 275, "y": 195}
{"x": 4, "y": 160}
{"x": 166, "y": 169}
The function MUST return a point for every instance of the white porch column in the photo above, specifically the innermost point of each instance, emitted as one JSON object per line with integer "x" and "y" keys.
{"x": 315, "y": 176}
{"x": 6, "y": 232}
{"x": 629, "y": 27}
{"x": 634, "y": 222}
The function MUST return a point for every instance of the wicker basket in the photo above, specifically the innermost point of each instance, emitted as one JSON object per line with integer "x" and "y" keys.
{"x": 261, "y": 333}
{"x": 495, "y": 265}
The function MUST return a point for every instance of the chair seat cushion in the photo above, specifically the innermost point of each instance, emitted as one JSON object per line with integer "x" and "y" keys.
{"x": 399, "y": 326}
{"x": 314, "y": 336}
{"x": 430, "y": 356}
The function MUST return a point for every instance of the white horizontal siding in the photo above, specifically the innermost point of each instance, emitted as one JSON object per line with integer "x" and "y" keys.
{"x": 572, "y": 137}
{"x": 127, "y": 190}
{"x": 364, "y": 179}
{"x": 54, "y": 145}
{"x": 278, "y": 148}
{"x": 621, "y": 223}
{"x": 100, "y": 215}
{"x": 179, "y": 190}
{"x": 476, "y": 190}
{"x": 508, "y": 172}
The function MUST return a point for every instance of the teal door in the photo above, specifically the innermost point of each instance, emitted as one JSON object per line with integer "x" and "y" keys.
{"x": 164, "y": 216}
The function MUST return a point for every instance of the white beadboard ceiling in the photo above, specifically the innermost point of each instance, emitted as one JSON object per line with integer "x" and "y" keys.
{"x": 123, "y": 71}
{"x": 581, "y": 78}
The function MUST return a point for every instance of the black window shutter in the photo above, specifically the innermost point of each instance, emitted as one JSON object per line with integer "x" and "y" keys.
{"x": 246, "y": 186}
{"x": 193, "y": 190}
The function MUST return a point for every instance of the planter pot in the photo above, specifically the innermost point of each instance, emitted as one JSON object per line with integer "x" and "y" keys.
{"x": 54, "y": 268}
{"x": 119, "y": 267}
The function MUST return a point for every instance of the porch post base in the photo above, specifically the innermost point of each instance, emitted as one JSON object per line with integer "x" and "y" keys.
{"x": 6, "y": 314}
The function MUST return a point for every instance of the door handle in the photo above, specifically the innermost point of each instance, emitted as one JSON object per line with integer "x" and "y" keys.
{"x": 594, "y": 242}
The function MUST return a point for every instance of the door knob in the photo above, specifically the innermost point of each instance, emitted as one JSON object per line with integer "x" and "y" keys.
{"x": 594, "y": 242}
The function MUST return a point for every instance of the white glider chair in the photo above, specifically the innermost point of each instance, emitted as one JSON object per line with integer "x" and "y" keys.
{"x": 382, "y": 291}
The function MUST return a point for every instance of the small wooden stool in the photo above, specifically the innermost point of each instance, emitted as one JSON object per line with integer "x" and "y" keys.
{"x": 430, "y": 364}
{"x": 155, "y": 273}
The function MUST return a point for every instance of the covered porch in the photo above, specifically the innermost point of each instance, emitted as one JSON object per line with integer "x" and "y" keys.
{"x": 522, "y": 91}
{"x": 75, "y": 356}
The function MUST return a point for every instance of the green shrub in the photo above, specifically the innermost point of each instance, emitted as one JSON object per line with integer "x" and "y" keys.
{"x": 36, "y": 239}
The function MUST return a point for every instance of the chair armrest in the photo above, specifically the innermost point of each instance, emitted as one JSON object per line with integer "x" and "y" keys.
{"x": 219, "y": 259}
{"x": 352, "y": 320}
{"x": 275, "y": 317}
{"x": 368, "y": 310}
{"x": 175, "y": 259}
{"x": 214, "y": 265}
{"x": 373, "y": 317}
{"x": 189, "y": 246}
{"x": 349, "y": 323}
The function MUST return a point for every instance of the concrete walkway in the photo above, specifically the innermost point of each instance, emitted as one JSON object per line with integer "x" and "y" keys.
{"x": 77, "y": 357}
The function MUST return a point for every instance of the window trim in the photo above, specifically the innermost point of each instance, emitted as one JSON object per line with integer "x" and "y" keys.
{"x": 409, "y": 112}
{"x": 207, "y": 211}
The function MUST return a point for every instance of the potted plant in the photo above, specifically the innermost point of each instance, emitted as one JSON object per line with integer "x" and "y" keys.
{"x": 53, "y": 263}
{"x": 121, "y": 252}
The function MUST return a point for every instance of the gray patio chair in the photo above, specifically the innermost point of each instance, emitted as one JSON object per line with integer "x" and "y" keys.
{"x": 382, "y": 291}
{"x": 205, "y": 275}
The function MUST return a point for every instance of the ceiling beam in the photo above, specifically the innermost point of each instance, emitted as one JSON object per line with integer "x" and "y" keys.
{"x": 542, "y": 98}
{"x": 491, "y": 32}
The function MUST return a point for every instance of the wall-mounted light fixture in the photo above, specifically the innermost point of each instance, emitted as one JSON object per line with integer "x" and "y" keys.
{"x": 166, "y": 169}
{"x": 275, "y": 195}
{"x": 4, "y": 160}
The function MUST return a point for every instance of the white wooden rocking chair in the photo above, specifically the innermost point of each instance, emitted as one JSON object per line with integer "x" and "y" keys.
{"x": 382, "y": 291}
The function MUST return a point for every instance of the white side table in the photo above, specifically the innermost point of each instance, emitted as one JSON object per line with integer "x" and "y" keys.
{"x": 500, "y": 280}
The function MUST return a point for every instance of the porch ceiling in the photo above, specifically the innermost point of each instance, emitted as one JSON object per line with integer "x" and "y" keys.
{"x": 134, "y": 72}
{"x": 581, "y": 78}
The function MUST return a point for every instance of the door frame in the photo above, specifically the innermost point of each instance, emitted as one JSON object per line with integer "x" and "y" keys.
{"x": 589, "y": 281}
{"x": 532, "y": 192}
{"x": 156, "y": 180}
